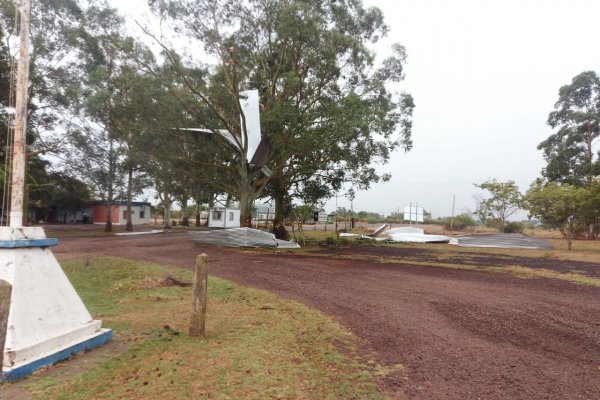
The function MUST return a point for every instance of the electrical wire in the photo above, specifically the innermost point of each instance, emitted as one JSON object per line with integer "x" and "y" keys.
{"x": 10, "y": 129}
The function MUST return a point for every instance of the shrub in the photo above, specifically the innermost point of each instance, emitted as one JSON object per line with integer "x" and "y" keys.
{"x": 329, "y": 241}
{"x": 460, "y": 221}
{"x": 514, "y": 227}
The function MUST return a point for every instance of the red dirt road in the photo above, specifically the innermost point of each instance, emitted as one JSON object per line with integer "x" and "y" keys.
{"x": 459, "y": 334}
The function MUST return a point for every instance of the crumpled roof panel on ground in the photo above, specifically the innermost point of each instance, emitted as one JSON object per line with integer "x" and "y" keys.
{"x": 414, "y": 235}
{"x": 505, "y": 240}
{"x": 240, "y": 237}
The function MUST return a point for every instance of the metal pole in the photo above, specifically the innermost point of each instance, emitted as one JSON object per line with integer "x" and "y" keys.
{"x": 336, "y": 212}
{"x": 416, "y": 213}
{"x": 18, "y": 167}
{"x": 452, "y": 218}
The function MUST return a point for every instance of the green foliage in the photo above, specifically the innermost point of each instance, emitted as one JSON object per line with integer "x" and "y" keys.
{"x": 369, "y": 216}
{"x": 305, "y": 212}
{"x": 558, "y": 205}
{"x": 326, "y": 106}
{"x": 569, "y": 152}
{"x": 504, "y": 200}
{"x": 514, "y": 227}
{"x": 330, "y": 241}
{"x": 65, "y": 193}
{"x": 460, "y": 221}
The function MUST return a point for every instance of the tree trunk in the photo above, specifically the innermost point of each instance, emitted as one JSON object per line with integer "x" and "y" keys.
{"x": 280, "y": 214}
{"x": 246, "y": 196}
{"x": 568, "y": 235}
{"x": 185, "y": 221}
{"x": 245, "y": 208}
{"x": 167, "y": 212}
{"x": 108, "y": 226}
{"x": 111, "y": 182}
{"x": 129, "y": 226}
{"x": 197, "y": 214}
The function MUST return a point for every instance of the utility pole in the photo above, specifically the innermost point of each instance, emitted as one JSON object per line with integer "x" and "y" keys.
{"x": 18, "y": 166}
{"x": 48, "y": 320}
{"x": 452, "y": 218}
{"x": 417, "y": 213}
{"x": 336, "y": 212}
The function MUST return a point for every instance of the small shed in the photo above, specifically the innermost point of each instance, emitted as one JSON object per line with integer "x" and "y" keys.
{"x": 223, "y": 217}
{"x": 140, "y": 212}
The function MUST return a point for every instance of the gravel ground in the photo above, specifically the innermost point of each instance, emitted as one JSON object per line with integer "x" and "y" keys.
{"x": 458, "y": 334}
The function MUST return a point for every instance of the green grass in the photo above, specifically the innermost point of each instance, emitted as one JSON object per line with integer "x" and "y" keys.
{"x": 258, "y": 346}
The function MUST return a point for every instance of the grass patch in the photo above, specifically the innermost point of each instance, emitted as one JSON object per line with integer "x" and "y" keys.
{"x": 258, "y": 346}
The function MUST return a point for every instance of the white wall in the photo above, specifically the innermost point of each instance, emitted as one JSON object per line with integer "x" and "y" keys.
{"x": 135, "y": 215}
{"x": 220, "y": 217}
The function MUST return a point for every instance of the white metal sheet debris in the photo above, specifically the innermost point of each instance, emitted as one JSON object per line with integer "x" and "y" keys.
{"x": 414, "y": 235}
{"x": 506, "y": 240}
{"x": 240, "y": 237}
{"x": 140, "y": 233}
{"x": 406, "y": 234}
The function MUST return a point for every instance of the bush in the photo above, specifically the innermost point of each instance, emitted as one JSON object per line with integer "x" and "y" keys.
{"x": 460, "y": 221}
{"x": 329, "y": 241}
{"x": 514, "y": 227}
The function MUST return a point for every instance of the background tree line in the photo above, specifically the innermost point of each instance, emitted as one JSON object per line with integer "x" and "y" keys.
{"x": 567, "y": 195}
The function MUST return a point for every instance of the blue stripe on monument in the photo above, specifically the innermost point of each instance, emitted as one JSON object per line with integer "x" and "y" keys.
{"x": 28, "y": 369}
{"x": 11, "y": 244}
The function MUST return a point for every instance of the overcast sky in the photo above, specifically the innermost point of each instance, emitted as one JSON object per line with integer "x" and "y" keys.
{"x": 484, "y": 76}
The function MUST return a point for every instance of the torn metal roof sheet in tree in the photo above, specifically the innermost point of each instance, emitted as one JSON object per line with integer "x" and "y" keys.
{"x": 506, "y": 240}
{"x": 241, "y": 237}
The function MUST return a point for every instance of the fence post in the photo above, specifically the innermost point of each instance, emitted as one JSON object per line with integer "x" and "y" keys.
{"x": 197, "y": 320}
{"x": 5, "y": 298}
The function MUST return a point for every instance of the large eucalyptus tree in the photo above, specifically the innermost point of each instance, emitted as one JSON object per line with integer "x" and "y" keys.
{"x": 569, "y": 152}
{"x": 326, "y": 104}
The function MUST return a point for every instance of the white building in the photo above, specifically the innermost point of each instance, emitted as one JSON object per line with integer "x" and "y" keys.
{"x": 140, "y": 213}
{"x": 223, "y": 217}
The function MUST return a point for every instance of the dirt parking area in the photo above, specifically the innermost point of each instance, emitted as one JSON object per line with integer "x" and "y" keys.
{"x": 458, "y": 334}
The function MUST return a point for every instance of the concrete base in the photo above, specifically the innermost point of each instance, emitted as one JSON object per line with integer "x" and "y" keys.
{"x": 98, "y": 339}
{"x": 47, "y": 320}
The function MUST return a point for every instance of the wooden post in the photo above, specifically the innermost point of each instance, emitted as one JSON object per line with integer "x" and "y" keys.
{"x": 5, "y": 297}
{"x": 198, "y": 318}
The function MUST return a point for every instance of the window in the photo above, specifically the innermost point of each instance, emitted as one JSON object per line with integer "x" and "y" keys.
{"x": 124, "y": 214}
{"x": 217, "y": 215}
{"x": 142, "y": 214}
{"x": 231, "y": 216}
